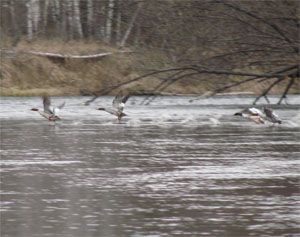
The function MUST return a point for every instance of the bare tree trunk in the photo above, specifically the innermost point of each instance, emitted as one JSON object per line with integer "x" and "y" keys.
{"x": 58, "y": 21}
{"x": 119, "y": 18}
{"x": 76, "y": 18}
{"x": 90, "y": 17}
{"x": 45, "y": 16}
{"x": 102, "y": 26}
{"x": 99, "y": 19}
{"x": 137, "y": 34}
{"x": 62, "y": 17}
{"x": 54, "y": 10}
{"x": 109, "y": 20}
{"x": 130, "y": 26}
{"x": 17, "y": 34}
{"x": 35, "y": 5}
{"x": 70, "y": 33}
{"x": 29, "y": 21}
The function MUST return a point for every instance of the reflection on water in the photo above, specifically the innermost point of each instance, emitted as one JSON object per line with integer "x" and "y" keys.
{"x": 171, "y": 168}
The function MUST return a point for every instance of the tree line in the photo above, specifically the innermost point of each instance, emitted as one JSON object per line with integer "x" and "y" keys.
{"x": 233, "y": 41}
{"x": 110, "y": 21}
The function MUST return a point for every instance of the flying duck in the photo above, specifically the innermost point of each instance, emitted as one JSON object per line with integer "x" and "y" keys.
{"x": 49, "y": 112}
{"x": 252, "y": 114}
{"x": 118, "y": 105}
{"x": 259, "y": 116}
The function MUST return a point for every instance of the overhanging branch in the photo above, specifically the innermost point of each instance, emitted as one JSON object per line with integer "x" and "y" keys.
{"x": 197, "y": 70}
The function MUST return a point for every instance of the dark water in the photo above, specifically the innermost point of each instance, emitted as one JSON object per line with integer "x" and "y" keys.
{"x": 173, "y": 168}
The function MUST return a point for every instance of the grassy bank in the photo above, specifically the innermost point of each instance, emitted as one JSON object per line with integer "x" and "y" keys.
{"x": 30, "y": 75}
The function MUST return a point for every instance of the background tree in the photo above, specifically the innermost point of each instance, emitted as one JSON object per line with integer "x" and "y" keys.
{"x": 224, "y": 43}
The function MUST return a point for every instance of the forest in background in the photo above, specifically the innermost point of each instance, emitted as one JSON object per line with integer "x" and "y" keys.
{"x": 156, "y": 46}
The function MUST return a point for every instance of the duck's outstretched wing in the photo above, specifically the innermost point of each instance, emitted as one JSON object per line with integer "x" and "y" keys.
{"x": 125, "y": 98}
{"x": 271, "y": 116}
{"x": 58, "y": 108}
{"x": 47, "y": 104}
{"x": 116, "y": 104}
{"x": 61, "y": 105}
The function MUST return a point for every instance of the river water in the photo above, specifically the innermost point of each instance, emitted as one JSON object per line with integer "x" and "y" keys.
{"x": 172, "y": 168}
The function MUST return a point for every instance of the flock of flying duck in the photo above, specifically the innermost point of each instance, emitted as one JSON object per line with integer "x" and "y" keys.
{"x": 118, "y": 104}
{"x": 51, "y": 112}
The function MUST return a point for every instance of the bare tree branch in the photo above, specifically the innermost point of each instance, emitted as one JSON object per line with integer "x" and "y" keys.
{"x": 273, "y": 26}
{"x": 198, "y": 70}
{"x": 267, "y": 90}
{"x": 286, "y": 90}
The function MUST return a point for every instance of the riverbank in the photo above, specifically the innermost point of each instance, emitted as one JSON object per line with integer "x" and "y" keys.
{"x": 33, "y": 75}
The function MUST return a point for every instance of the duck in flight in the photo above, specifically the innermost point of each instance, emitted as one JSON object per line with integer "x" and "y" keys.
{"x": 252, "y": 114}
{"x": 49, "y": 112}
{"x": 259, "y": 116}
{"x": 118, "y": 105}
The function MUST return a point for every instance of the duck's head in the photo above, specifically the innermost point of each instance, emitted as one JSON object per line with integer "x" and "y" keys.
{"x": 238, "y": 114}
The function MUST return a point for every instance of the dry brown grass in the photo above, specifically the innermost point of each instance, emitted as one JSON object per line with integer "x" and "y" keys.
{"x": 25, "y": 75}
{"x": 32, "y": 75}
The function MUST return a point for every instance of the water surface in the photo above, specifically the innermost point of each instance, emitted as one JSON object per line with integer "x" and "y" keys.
{"x": 173, "y": 168}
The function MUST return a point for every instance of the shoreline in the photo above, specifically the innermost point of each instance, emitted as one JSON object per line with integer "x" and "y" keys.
{"x": 25, "y": 93}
